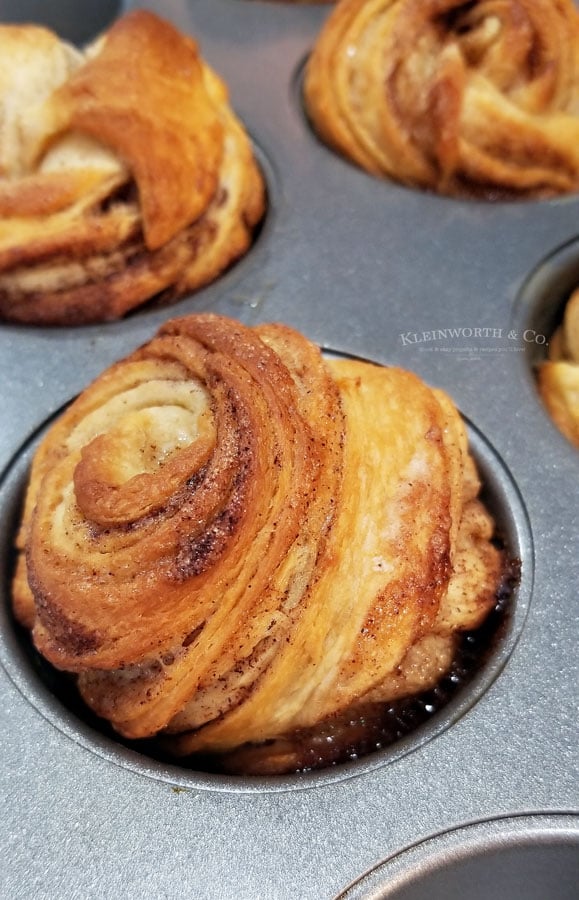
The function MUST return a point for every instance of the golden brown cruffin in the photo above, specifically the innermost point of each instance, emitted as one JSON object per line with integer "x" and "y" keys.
{"x": 475, "y": 99}
{"x": 558, "y": 376}
{"x": 124, "y": 173}
{"x": 226, "y": 537}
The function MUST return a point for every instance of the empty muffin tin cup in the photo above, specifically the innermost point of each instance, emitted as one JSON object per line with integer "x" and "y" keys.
{"x": 518, "y": 858}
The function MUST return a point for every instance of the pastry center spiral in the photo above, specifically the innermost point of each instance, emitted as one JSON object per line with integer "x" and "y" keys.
{"x": 156, "y": 436}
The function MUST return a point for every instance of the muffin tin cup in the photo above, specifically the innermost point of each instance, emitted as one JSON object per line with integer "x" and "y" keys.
{"x": 525, "y": 858}
{"x": 461, "y": 292}
{"x": 54, "y": 697}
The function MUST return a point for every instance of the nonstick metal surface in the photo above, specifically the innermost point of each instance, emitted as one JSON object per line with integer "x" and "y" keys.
{"x": 465, "y": 293}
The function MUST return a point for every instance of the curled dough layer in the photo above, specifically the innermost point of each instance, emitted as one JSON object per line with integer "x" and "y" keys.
{"x": 477, "y": 98}
{"x": 124, "y": 172}
{"x": 227, "y": 538}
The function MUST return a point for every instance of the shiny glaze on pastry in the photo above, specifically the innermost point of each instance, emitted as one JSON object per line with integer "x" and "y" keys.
{"x": 124, "y": 174}
{"x": 478, "y": 99}
{"x": 227, "y": 538}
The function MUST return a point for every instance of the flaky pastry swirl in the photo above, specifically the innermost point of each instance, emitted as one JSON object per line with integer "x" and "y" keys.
{"x": 463, "y": 98}
{"x": 124, "y": 173}
{"x": 226, "y": 537}
{"x": 558, "y": 376}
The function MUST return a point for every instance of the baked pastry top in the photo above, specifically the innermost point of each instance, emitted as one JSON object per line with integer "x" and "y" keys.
{"x": 463, "y": 98}
{"x": 558, "y": 376}
{"x": 226, "y": 538}
{"x": 124, "y": 173}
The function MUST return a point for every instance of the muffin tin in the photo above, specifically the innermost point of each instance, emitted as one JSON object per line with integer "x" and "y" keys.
{"x": 484, "y": 795}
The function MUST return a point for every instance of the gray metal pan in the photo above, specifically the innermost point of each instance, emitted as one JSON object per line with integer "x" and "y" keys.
{"x": 464, "y": 294}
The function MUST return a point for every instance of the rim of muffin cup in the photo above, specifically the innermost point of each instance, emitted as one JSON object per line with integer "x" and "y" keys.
{"x": 522, "y": 857}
